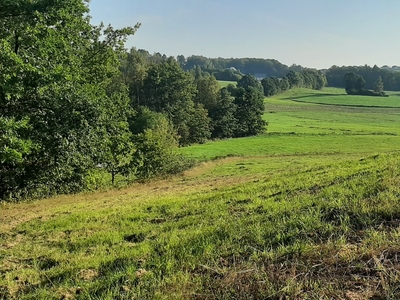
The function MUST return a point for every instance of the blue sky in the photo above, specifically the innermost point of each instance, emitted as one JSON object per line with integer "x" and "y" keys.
{"x": 312, "y": 33}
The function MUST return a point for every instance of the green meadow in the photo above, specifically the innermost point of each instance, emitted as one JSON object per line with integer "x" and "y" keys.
{"x": 308, "y": 128}
{"x": 226, "y": 83}
{"x": 308, "y": 210}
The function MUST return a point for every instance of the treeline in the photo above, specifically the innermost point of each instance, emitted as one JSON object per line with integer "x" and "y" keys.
{"x": 265, "y": 67}
{"x": 307, "y": 78}
{"x": 391, "y": 79}
{"x": 75, "y": 104}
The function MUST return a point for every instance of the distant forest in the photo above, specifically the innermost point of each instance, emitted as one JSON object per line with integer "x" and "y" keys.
{"x": 232, "y": 68}
{"x": 391, "y": 79}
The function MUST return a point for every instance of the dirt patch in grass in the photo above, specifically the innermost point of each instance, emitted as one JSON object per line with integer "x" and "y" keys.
{"x": 88, "y": 274}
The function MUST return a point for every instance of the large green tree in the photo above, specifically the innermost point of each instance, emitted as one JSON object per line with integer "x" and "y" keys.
{"x": 250, "y": 81}
{"x": 271, "y": 86}
{"x": 208, "y": 90}
{"x": 55, "y": 73}
{"x": 354, "y": 83}
{"x": 223, "y": 115}
{"x": 170, "y": 90}
{"x": 295, "y": 79}
{"x": 249, "y": 112}
{"x": 157, "y": 142}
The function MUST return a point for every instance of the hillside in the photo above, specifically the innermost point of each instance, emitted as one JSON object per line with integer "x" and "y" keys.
{"x": 309, "y": 210}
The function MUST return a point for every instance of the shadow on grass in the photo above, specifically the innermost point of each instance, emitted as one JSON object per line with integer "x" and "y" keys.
{"x": 303, "y": 99}
{"x": 313, "y": 96}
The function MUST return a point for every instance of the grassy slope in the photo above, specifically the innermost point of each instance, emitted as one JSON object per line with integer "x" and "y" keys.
{"x": 302, "y": 212}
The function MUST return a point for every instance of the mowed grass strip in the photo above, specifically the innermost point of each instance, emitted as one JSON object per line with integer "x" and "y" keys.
{"x": 323, "y": 231}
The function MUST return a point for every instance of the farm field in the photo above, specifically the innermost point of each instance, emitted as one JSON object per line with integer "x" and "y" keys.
{"x": 226, "y": 83}
{"x": 309, "y": 210}
{"x": 335, "y": 96}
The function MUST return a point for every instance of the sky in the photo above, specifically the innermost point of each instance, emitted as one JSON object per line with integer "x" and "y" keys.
{"x": 311, "y": 33}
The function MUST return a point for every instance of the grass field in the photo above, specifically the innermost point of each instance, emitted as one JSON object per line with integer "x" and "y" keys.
{"x": 226, "y": 83}
{"x": 309, "y": 210}
{"x": 297, "y": 128}
{"x": 334, "y": 96}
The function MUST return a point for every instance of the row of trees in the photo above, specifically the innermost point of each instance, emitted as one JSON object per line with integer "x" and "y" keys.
{"x": 390, "y": 79}
{"x": 307, "y": 78}
{"x": 232, "y": 69}
{"x": 267, "y": 67}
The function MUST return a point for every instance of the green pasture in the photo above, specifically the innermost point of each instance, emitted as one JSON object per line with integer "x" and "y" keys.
{"x": 331, "y": 96}
{"x": 223, "y": 83}
{"x": 296, "y": 144}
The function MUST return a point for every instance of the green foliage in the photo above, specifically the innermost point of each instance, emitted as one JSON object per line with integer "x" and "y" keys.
{"x": 145, "y": 119}
{"x": 284, "y": 84}
{"x": 56, "y": 71}
{"x": 306, "y": 78}
{"x": 313, "y": 79}
{"x": 207, "y": 91}
{"x": 249, "y": 112}
{"x": 13, "y": 152}
{"x": 295, "y": 79}
{"x": 170, "y": 90}
{"x": 223, "y": 116}
{"x": 354, "y": 83}
{"x": 199, "y": 125}
{"x": 390, "y": 78}
{"x": 248, "y": 81}
{"x": 228, "y": 75}
{"x": 133, "y": 72}
{"x": 229, "y": 68}
{"x": 378, "y": 85}
{"x": 271, "y": 86}
{"x": 355, "y": 86}
{"x": 167, "y": 86}
{"x": 12, "y": 147}
{"x": 156, "y": 147}
{"x": 194, "y": 105}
